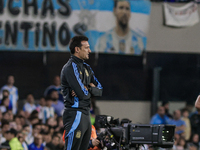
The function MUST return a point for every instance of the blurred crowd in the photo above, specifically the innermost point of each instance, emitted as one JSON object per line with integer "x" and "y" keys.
{"x": 187, "y": 121}
{"x": 38, "y": 124}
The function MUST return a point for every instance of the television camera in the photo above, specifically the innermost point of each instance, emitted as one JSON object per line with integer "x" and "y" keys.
{"x": 131, "y": 135}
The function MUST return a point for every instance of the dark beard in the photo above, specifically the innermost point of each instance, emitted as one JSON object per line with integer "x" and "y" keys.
{"x": 54, "y": 99}
{"x": 123, "y": 26}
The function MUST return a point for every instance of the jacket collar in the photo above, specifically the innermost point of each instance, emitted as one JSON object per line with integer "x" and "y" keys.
{"x": 76, "y": 59}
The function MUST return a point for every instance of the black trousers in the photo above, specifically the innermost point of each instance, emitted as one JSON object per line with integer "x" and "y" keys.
{"x": 77, "y": 130}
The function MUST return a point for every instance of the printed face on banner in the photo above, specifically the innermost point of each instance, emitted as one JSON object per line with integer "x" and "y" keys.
{"x": 122, "y": 13}
{"x": 48, "y": 25}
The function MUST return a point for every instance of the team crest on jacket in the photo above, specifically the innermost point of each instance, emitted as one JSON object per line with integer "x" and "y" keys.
{"x": 78, "y": 134}
{"x": 86, "y": 72}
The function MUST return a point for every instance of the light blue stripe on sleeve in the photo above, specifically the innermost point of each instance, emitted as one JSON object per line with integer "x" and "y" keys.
{"x": 78, "y": 78}
{"x": 98, "y": 83}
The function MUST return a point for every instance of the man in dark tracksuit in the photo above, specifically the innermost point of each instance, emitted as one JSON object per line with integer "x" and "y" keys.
{"x": 78, "y": 84}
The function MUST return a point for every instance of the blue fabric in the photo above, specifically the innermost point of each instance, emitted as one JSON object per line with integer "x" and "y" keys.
{"x": 70, "y": 141}
{"x": 178, "y": 123}
{"x": 75, "y": 124}
{"x": 34, "y": 147}
{"x": 58, "y": 108}
{"x": 98, "y": 83}
{"x": 76, "y": 102}
{"x": 192, "y": 113}
{"x": 78, "y": 78}
{"x": 156, "y": 119}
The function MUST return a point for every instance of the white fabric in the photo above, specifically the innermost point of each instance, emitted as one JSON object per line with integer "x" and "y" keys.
{"x": 13, "y": 96}
{"x": 186, "y": 15}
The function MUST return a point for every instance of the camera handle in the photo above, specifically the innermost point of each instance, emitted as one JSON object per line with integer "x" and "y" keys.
{"x": 112, "y": 137}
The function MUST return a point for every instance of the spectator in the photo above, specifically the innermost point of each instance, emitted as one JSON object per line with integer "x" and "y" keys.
{"x": 165, "y": 104}
{"x": 181, "y": 145}
{"x": 29, "y": 106}
{"x": 13, "y": 93}
{"x": 35, "y": 131}
{"x": 61, "y": 142}
{"x": 34, "y": 114}
{"x": 60, "y": 127}
{"x": 4, "y": 104}
{"x": 57, "y": 105}
{"x": 13, "y": 125}
{"x": 47, "y": 138}
{"x": 52, "y": 122}
{"x": 33, "y": 120}
{"x": 47, "y": 111}
{"x": 37, "y": 144}
{"x": 19, "y": 123}
{"x": 21, "y": 113}
{"x": 8, "y": 115}
{"x": 5, "y": 116}
{"x": 45, "y": 128}
{"x": 25, "y": 135}
{"x": 94, "y": 142}
{"x": 180, "y": 124}
{"x": 176, "y": 140}
{"x": 55, "y": 86}
{"x": 56, "y": 142}
{"x": 42, "y": 103}
{"x": 21, "y": 138}
{"x": 23, "y": 120}
{"x": 19, "y": 127}
{"x": 187, "y": 131}
{"x": 0, "y": 117}
{"x": 160, "y": 117}
{"x": 194, "y": 142}
{"x": 17, "y": 119}
{"x": 195, "y": 122}
{"x": 5, "y": 93}
{"x": 4, "y": 127}
{"x": 13, "y": 140}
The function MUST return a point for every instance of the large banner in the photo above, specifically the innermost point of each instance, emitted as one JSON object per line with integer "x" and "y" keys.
{"x": 40, "y": 25}
{"x": 186, "y": 15}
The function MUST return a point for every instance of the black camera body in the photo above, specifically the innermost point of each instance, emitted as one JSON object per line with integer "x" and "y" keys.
{"x": 133, "y": 135}
{"x": 155, "y": 135}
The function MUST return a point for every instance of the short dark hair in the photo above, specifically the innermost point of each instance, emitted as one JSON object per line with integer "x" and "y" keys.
{"x": 4, "y": 122}
{"x": 184, "y": 110}
{"x": 26, "y": 125}
{"x": 3, "y": 100}
{"x": 55, "y": 135}
{"x": 116, "y": 1}
{"x": 6, "y": 91}
{"x": 76, "y": 42}
{"x": 36, "y": 124}
{"x": 12, "y": 131}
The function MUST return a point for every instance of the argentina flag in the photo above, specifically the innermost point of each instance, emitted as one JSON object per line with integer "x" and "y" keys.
{"x": 48, "y": 25}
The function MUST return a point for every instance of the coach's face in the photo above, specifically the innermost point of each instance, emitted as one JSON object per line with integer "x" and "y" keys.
{"x": 122, "y": 12}
{"x": 84, "y": 50}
